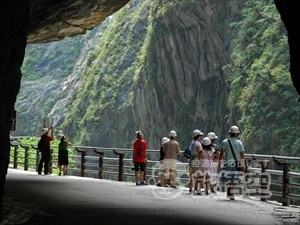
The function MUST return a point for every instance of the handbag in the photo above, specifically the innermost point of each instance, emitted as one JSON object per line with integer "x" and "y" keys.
{"x": 238, "y": 168}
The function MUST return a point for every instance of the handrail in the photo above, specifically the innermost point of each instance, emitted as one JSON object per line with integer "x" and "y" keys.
{"x": 274, "y": 157}
{"x": 260, "y": 163}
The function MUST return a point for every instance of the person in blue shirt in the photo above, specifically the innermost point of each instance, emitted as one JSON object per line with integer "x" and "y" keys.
{"x": 233, "y": 159}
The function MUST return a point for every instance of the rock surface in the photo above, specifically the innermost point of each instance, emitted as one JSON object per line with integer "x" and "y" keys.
{"x": 52, "y": 20}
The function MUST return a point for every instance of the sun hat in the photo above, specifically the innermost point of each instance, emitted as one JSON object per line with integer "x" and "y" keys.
{"x": 44, "y": 130}
{"x": 212, "y": 135}
{"x": 164, "y": 140}
{"x": 137, "y": 133}
{"x": 60, "y": 136}
{"x": 172, "y": 133}
{"x": 206, "y": 141}
{"x": 234, "y": 130}
{"x": 196, "y": 133}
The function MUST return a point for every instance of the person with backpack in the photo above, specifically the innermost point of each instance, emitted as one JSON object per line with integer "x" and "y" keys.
{"x": 63, "y": 158}
{"x": 44, "y": 148}
{"x": 161, "y": 181}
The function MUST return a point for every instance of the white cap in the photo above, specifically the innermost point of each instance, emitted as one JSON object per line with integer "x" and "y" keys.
{"x": 206, "y": 141}
{"x": 60, "y": 136}
{"x": 212, "y": 135}
{"x": 196, "y": 133}
{"x": 44, "y": 130}
{"x": 234, "y": 130}
{"x": 164, "y": 140}
{"x": 172, "y": 133}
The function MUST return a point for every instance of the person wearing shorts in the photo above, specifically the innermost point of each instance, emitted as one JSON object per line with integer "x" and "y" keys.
{"x": 139, "y": 158}
{"x": 171, "y": 149}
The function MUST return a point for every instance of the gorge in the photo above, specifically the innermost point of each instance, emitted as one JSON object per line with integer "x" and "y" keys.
{"x": 33, "y": 21}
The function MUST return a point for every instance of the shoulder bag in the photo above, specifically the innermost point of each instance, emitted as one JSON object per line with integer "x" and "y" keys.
{"x": 238, "y": 168}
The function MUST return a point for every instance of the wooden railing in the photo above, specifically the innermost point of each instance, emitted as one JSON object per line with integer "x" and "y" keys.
{"x": 105, "y": 163}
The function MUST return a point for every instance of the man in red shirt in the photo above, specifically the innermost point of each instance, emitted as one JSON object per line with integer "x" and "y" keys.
{"x": 139, "y": 158}
{"x": 46, "y": 138}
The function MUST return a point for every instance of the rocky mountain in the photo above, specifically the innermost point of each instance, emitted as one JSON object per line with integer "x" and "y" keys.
{"x": 154, "y": 66}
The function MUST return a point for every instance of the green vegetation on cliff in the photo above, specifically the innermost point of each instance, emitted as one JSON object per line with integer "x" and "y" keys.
{"x": 156, "y": 65}
{"x": 262, "y": 96}
{"x": 107, "y": 81}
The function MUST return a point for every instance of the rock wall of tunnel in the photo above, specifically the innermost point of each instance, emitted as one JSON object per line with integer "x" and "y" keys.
{"x": 291, "y": 20}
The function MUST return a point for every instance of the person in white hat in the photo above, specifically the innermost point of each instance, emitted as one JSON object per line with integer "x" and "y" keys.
{"x": 171, "y": 148}
{"x": 212, "y": 137}
{"x": 63, "y": 156}
{"x": 206, "y": 166}
{"x": 139, "y": 158}
{"x": 233, "y": 157}
{"x": 196, "y": 148}
{"x": 44, "y": 147}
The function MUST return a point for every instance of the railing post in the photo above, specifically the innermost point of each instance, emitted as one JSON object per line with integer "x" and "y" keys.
{"x": 16, "y": 156}
{"x": 37, "y": 158}
{"x": 100, "y": 169}
{"x": 26, "y": 156}
{"x": 264, "y": 181}
{"x": 50, "y": 161}
{"x": 121, "y": 164}
{"x": 285, "y": 184}
{"x": 82, "y": 163}
{"x": 285, "y": 181}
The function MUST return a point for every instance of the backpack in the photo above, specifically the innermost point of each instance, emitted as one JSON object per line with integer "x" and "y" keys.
{"x": 41, "y": 144}
{"x": 187, "y": 152}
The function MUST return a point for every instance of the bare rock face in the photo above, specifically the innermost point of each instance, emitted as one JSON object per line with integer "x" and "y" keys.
{"x": 52, "y": 20}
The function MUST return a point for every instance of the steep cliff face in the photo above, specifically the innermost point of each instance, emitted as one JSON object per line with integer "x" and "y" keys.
{"x": 160, "y": 70}
{"x": 155, "y": 66}
{"x": 181, "y": 84}
{"x": 51, "y": 73}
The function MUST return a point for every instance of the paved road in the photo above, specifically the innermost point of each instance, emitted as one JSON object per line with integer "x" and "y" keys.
{"x": 64, "y": 200}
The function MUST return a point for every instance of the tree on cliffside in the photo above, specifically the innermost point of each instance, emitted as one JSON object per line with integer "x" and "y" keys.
{"x": 261, "y": 88}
